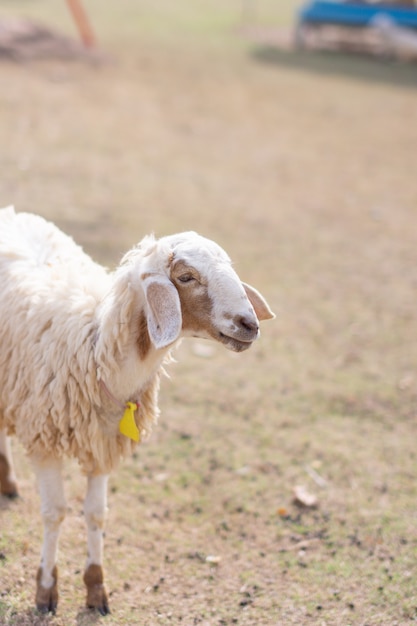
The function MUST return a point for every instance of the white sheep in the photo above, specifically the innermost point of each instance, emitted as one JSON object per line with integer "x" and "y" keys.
{"x": 81, "y": 352}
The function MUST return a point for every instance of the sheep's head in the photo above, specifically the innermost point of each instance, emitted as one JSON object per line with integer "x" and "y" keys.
{"x": 191, "y": 289}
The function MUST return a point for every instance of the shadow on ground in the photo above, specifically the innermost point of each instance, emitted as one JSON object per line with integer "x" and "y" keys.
{"x": 354, "y": 66}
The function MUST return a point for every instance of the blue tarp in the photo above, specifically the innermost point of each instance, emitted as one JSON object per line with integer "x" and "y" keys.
{"x": 354, "y": 14}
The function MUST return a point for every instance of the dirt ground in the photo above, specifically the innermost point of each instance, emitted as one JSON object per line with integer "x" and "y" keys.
{"x": 302, "y": 168}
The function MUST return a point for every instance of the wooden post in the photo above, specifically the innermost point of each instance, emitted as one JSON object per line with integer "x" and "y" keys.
{"x": 82, "y": 22}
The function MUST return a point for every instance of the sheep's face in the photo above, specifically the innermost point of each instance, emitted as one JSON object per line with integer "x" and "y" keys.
{"x": 202, "y": 294}
{"x": 214, "y": 303}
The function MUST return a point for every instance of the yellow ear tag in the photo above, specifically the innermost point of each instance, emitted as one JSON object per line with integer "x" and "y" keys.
{"x": 127, "y": 425}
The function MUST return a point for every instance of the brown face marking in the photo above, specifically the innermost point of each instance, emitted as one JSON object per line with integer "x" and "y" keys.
{"x": 47, "y": 599}
{"x": 96, "y": 592}
{"x": 144, "y": 341}
{"x": 7, "y": 487}
{"x": 179, "y": 268}
{"x": 196, "y": 304}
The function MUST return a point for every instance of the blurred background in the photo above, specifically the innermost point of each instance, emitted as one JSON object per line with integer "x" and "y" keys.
{"x": 300, "y": 163}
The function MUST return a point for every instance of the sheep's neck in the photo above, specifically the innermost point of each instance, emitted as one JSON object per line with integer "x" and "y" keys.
{"x": 125, "y": 356}
{"x": 111, "y": 397}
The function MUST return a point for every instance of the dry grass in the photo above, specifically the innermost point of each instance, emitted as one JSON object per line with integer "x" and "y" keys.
{"x": 302, "y": 168}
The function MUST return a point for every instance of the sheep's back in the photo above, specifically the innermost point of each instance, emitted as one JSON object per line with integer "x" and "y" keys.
{"x": 50, "y": 290}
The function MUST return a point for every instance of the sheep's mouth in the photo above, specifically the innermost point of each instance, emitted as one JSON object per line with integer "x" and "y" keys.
{"x": 237, "y": 345}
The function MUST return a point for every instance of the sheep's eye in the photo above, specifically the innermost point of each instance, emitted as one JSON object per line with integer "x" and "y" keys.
{"x": 186, "y": 278}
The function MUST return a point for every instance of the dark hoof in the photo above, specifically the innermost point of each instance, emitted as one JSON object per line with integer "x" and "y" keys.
{"x": 47, "y": 599}
{"x": 103, "y": 609}
{"x": 12, "y": 495}
{"x": 44, "y": 609}
{"x": 7, "y": 487}
{"x": 96, "y": 591}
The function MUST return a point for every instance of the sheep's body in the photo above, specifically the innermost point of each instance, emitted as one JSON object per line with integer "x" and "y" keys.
{"x": 50, "y": 395}
{"x": 77, "y": 343}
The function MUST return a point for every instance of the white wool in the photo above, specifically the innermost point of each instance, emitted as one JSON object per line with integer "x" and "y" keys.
{"x": 53, "y": 349}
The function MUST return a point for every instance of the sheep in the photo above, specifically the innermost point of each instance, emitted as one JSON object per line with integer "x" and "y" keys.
{"x": 81, "y": 354}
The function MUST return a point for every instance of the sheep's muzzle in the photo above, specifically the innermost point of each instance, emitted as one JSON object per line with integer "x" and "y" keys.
{"x": 247, "y": 330}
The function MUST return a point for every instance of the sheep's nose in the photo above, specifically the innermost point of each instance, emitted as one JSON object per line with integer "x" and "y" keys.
{"x": 249, "y": 325}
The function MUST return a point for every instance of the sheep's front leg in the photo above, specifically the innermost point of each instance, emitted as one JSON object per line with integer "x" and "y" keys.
{"x": 8, "y": 484}
{"x": 53, "y": 509}
{"x": 95, "y": 508}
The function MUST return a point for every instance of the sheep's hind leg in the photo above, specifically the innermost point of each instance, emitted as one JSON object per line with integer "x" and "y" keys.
{"x": 95, "y": 508}
{"x": 8, "y": 484}
{"x": 53, "y": 509}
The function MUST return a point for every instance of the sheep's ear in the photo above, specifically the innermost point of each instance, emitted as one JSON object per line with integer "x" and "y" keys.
{"x": 163, "y": 311}
{"x": 262, "y": 310}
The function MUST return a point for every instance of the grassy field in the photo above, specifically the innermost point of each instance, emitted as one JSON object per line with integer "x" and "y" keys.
{"x": 302, "y": 168}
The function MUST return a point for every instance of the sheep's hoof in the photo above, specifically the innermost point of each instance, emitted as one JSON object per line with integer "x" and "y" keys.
{"x": 10, "y": 491}
{"x": 103, "y": 609}
{"x": 8, "y": 487}
{"x": 44, "y": 609}
{"x": 98, "y": 601}
{"x": 47, "y": 599}
{"x": 96, "y": 592}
